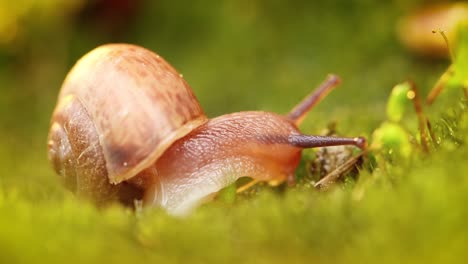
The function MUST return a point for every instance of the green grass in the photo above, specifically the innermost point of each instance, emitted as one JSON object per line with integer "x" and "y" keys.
{"x": 243, "y": 55}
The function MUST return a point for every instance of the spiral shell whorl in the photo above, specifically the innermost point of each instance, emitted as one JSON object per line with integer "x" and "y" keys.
{"x": 138, "y": 103}
{"x": 76, "y": 155}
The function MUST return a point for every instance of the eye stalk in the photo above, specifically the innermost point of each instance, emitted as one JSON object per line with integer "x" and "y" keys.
{"x": 299, "y": 112}
{"x": 310, "y": 141}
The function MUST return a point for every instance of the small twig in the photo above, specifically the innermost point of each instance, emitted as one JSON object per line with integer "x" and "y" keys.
{"x": 338, "y": 172}
{"x": 247, "y": 185}
{"x": 442, "y": 33}
{"x": 440, "y": 84}
{"x": 422, "y": 121}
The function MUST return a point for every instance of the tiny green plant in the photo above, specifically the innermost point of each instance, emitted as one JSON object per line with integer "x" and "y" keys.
{"x": 413, "y": 29}
{"x": 456, "y": 76}
{"x": 393, "y": 135}
{"x": 394, "y": 140}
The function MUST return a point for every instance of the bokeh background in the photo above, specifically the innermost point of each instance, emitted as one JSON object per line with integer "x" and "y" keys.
{"x": 236, "y": 55}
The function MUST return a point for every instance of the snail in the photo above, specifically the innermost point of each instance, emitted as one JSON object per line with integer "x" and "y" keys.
{"x": 128, "y": 127}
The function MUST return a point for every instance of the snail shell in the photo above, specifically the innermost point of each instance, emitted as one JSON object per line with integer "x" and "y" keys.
{"x": 120, "y": 108}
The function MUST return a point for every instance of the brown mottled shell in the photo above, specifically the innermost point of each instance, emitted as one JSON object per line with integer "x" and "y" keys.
{"x": 139, "y": 105}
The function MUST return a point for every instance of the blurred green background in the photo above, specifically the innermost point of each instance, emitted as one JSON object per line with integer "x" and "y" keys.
{"x": 236, "y": 55}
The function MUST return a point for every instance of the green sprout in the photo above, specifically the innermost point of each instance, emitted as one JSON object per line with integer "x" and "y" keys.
{"x": 393, "y": 135}
{"x": 390, "y": 135}
{"x": 399, "y": 101}
{"x": 460, "y": 76}
{"x": 457, "y": 73}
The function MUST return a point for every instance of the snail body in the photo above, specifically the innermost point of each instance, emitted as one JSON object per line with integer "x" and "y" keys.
{"x": 127, "y": 126}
